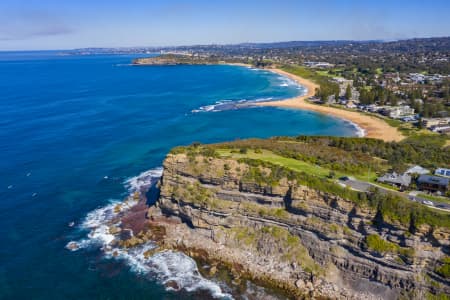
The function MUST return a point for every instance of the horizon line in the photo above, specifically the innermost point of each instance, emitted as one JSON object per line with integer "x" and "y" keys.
{"x": 235, "y": 44}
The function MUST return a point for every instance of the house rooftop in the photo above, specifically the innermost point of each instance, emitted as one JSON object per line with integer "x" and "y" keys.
{"x": 417, "y": 170}
{"x": 430, "y": 179}
{"x": 395, "y": 178}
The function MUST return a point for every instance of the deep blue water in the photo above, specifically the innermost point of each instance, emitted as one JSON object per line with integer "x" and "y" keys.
{"x": 66, "y": 122}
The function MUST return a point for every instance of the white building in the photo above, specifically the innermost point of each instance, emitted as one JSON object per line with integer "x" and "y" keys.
{"x": 435, "y": 122}
{"x": 417, "y": 170}
{"x": 442, "y": 172}
{"x": 397, "y": 112}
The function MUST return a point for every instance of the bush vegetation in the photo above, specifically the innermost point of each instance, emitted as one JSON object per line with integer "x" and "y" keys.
{"x": 327, "y": 87}
{"x": 346, "y": 155}
{"x": 444, "y": 268}
{"x": 375, "y": 243}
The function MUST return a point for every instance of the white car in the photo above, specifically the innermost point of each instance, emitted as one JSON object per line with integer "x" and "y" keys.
{"x": 428, "y": 203}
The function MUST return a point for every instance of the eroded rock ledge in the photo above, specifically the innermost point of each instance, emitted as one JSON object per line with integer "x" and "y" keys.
{"x": 308, "y": 242}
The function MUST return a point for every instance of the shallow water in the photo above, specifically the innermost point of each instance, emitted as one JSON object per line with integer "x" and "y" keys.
{"x": 74, "y": 128}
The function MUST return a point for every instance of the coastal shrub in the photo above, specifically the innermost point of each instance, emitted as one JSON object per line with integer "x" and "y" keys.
{"x": 292, "y": 248}
{"x": 194, "y": 150}
{"x": 327, "y": 86}
{"x": 392, "y": 208}
{"x": 375, "y": 243}
{"x": 355, "y": 155}
{"x": 444, "y": 269}
{"x": 245, "y": 235}
{"x": 314, "y": 153}
{"x": 346, "y": 155}
{"x": 430, "y": 296}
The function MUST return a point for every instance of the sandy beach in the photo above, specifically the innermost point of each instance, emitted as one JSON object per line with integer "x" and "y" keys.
{"x": 372, "y": 126}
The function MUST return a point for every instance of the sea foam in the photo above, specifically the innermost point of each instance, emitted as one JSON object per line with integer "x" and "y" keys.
{"x": 223, "y": 105}
{"x": 168, "y": 267}
{"x": 360, "y": 132}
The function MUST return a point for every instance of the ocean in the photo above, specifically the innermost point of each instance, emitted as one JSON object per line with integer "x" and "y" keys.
{"x": 75, "y": 134}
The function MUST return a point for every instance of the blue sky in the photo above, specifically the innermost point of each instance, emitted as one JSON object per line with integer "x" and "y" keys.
{"x": 67, "y": 24}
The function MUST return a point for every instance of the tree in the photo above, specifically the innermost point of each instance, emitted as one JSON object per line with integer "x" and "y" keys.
{"x": 392, "y": 99}
{"x": 420, "y": 123}
{"x": 348, "y": 92}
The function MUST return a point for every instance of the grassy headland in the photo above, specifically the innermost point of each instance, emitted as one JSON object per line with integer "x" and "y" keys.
{"x": 317, "y": 162}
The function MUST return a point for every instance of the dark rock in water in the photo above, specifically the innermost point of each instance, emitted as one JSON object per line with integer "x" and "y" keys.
{"x": 172, "y": 284}
{"x": 126, "y": 234}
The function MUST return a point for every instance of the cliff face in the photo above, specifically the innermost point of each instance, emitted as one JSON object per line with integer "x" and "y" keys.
{"x": 302, "y": 239}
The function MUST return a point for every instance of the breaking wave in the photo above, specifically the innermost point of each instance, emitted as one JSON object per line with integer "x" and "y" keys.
{"x": 143, "y": 180}
{"x": 360, "y": 132}
{"x": 286, "y": 81}
{"x": 175, "y": 270}
{"x": 223, "y": 105}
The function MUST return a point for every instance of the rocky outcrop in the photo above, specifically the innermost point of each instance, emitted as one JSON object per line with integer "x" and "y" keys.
{"x": 306, "y": 241}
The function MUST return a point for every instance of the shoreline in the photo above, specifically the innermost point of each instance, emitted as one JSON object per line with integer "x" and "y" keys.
{"x": 367, "y": 126}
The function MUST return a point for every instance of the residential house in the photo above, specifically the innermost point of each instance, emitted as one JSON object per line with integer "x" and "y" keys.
{"x": 403, "y": 180}
{"x": 331, "y": 99}
{"x": 442, "y": 172}
{"x": 435, "y": 122}
{"x": 433, "y": 183}
{"x": 350, "y": 104}
{"x": 355, "y": 95}
{"x": 343, "y": 83}
{"x": 441, "y": 129}
{"x": 417, "y": 170}
{"x": 417, "y": 77}
{"x": 318, "y": 64}
{"x": 397, "y": 112}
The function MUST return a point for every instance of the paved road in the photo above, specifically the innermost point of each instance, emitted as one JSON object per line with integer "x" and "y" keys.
{"x": 365, "y": 186}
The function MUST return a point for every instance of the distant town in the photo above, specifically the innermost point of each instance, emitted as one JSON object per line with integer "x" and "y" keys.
{"x": 407, "y": 81}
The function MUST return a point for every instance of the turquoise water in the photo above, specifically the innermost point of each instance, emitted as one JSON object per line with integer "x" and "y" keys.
{"x": 74, "y": 128}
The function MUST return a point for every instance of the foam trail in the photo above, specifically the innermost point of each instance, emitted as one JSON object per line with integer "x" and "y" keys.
{"x": 224, "y": 105}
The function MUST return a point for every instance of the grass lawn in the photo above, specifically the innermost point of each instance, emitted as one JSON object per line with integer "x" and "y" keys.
{"x": 326, "y": 73}
{"x": 296, "y": 165}
{"x": 293, "y": 164}
{"x": 302, "y": 166}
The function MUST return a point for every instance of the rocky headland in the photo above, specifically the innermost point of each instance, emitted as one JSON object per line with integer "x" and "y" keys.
{"x": 284, "y": 229}
{"x": 175, "y": 59}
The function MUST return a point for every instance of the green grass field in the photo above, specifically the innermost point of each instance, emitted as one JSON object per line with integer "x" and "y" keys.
{"x": 299, "y": 166}
{"x": 268, "y": 156}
